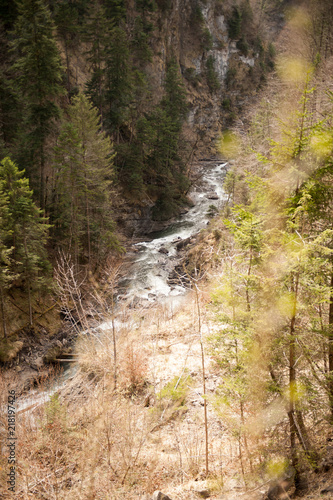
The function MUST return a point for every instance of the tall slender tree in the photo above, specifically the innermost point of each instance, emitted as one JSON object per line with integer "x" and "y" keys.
{"x": 38, "y": 73}
{"x": 27, "y": 232}
{"x": 84, "y": 168}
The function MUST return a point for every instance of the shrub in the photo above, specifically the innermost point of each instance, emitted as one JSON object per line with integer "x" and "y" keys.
{"x": 207, "y": 39}
{"x": 235, "y": 23}
{"x": 243, "y": 46}
{"x": 212, "y": 78}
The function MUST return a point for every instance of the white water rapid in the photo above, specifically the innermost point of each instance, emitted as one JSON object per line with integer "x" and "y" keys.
{"x": 157, "y": 258}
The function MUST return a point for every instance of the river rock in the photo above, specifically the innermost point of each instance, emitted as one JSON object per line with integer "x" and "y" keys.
{"x": 164, "y": 250}
{"x": 158, "y": 495}
{"x": 212, "y": 196}
{"x": 183, "y": 243}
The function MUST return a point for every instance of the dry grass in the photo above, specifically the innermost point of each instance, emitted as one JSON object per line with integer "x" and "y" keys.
{"x": 92, "y": 441}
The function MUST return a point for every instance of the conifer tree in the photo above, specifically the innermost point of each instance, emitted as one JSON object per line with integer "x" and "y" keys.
{"x": 84, "y": 174}
{"x": 118, "y": 91}
{"x": 38, "y": 73}
{"x": 27, "y": 232}
{"x": 115, "y": 10}
{"x": 98, "y": 35}
{"x": 9, "y": 106}
{"x": 66, "y": 17}
{"x": 161, "y": 134}
{"x": 6, "y": 274}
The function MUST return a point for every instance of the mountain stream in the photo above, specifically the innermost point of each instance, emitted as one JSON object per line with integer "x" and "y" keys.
{"x": 152, "y": 262}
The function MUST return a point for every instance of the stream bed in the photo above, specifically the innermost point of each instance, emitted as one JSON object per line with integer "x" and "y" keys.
{"x": 151, "y": 264}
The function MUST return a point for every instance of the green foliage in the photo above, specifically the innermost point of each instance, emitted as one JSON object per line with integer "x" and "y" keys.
{"x": 55, "y": 413}
{"x": 212, "y": 211}
{"x": 191, "y": 76}
{"x": 243, "y": 46}
{"x": 175, "y": 391}
{"x": 197, "y": 15}
{"x": 8, "y": 13}
{"x": 97, "y": 33}
{"x": 226, "y": 104}
{"x": 118, "y": 77}
{"x": 145, "y": 5}
{"x": 26, "y": 233}
{"x": 84, "y": 172}
{"x": 230, "y": 77}
{"x": 115, "y": 10}
{"x": 206, "y": 39}
{"x": 38, "y": 74}
{"x": 235, "y": 23}
{"x": 140, "y": 44}
{"x": 211, "y": 75}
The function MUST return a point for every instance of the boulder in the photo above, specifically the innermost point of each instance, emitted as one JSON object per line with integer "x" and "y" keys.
{"x": 183, "y": 243}
{"x": 212, "y": 196}
{"x": 158, "y": 495}
{"x": 164, "y": 250}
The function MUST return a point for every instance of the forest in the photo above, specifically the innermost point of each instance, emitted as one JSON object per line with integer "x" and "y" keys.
{"x": 107, "y": 108}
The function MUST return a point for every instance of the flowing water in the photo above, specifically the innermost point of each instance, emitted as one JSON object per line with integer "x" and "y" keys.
{"x": 154, "y": 260}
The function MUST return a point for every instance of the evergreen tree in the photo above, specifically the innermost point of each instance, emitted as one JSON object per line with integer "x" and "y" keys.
{"x": 27, "y": 232}
{"x": 84, "y": 174}
{"x": 118, "y": 93}
{"x": 38, "y": 72}
{"x": 98, "y": 35}
{"x": 66, "y": 17}
{"x": 160, "y": 133}
{"x": 9, "y": 105}
{"x": 6, "y": 274}
{"x": 115, "y": 10}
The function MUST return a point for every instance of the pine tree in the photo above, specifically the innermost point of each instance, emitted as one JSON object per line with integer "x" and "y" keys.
{"x": 97, "y": 34}
{"x": 84, "y": 168}
{"x": 27, "y": 232}
{"x": 9, "y": 106}
{"x": 6, "y": 274}
{"x": 118, "y": 91}
{"x": 38, "y": 73}
{"x": 115, "y": 10}
{"x": 66, "y": 17}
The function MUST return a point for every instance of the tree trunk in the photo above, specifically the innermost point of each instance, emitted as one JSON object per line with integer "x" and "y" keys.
{"x": 330, "y": 348}
{"x": 292, "y": 378}
{"x": 4, "y": 327}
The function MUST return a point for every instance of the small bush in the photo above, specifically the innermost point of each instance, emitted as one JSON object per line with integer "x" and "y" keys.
{"x": 212, "y": 211}
{"x": 207, "y": 39}
{"x": 235, "y": 23}
{"x": 230, "y": 77}
{"x": 226, "y": 103}
{"x": 197, "y": 15}
{"x": 134, "y": 369}
{"x": 243, "y": 46}
{"x": 175, "y": 391}
{"x": 191, "y": 76}
{"x": 212, "y": 78}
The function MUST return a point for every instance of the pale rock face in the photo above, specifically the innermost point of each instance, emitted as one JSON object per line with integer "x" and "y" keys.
{"x": 220, "y": 24}
{"x": 247, "y": 60}
{"x": 177, "y": 35}
{"x": 221, "y": 63}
